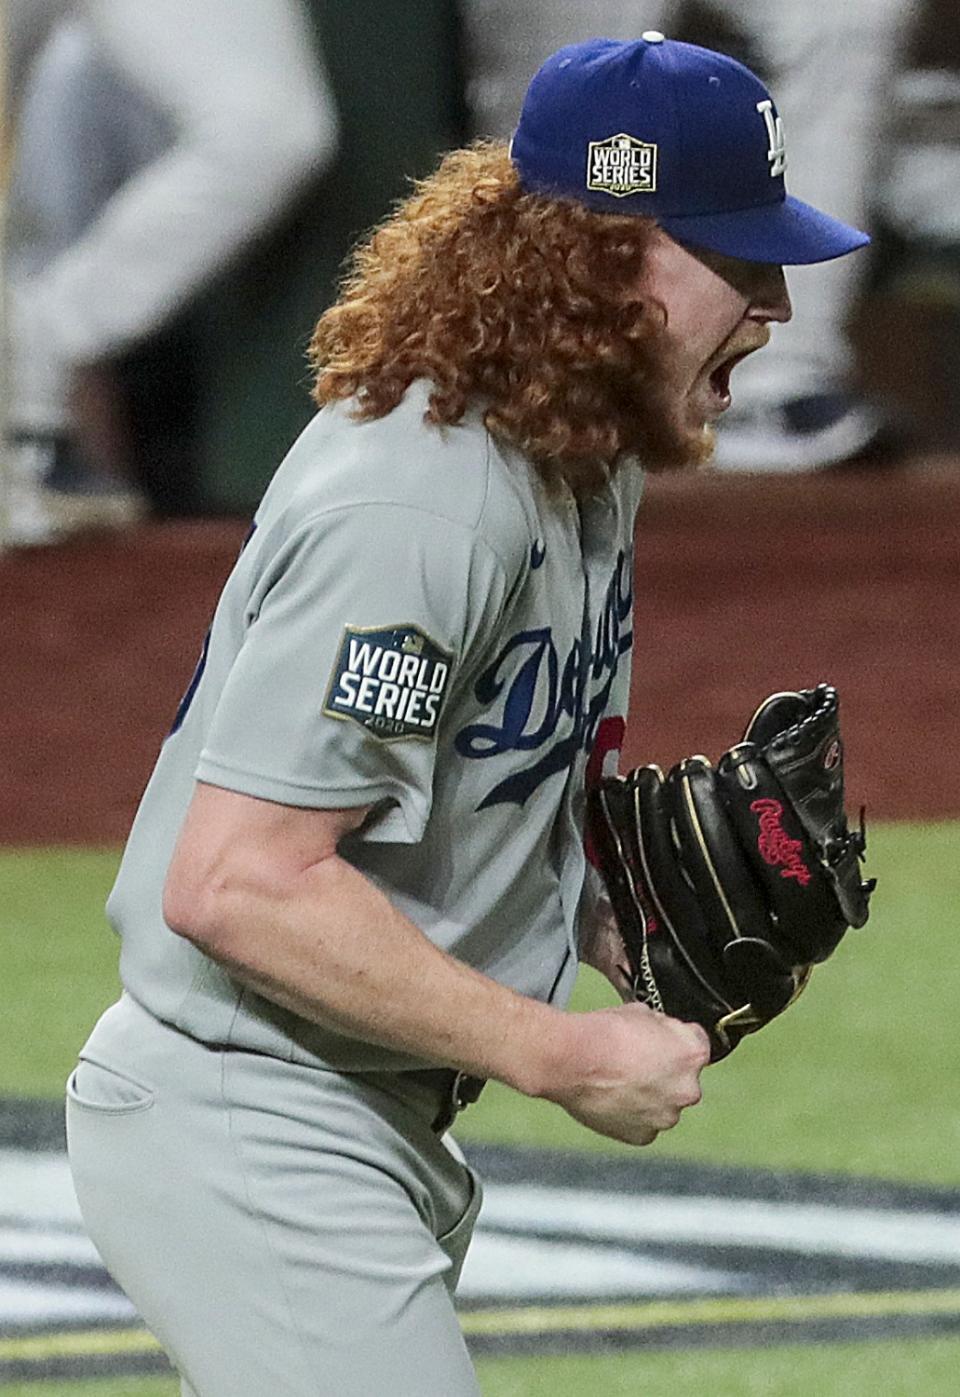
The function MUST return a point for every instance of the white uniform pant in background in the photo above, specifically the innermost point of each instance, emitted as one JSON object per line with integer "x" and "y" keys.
{"x": 828, "y": 64}
{"x": 82, "y": 133}
{"x": 240, "y": 84}
{"x": 283, "y": 1231}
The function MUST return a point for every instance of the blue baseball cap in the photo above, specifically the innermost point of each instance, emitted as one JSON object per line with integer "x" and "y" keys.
{"x": 683, "y": 135}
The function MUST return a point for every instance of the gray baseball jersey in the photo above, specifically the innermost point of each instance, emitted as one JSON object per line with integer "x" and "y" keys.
{"x": 413, "y": 625}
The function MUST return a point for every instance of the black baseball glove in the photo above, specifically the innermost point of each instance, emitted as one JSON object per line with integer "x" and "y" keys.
{"x": 729, "y": 883}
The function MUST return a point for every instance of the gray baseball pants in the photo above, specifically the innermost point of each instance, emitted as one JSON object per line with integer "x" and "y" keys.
{"x": 282, "y": 1230}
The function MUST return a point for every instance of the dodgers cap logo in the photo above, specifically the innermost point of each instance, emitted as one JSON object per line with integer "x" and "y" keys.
{"x": 678, "y": 133}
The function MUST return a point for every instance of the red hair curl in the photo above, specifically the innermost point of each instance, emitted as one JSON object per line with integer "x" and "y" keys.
{"x": 526, "y": 304}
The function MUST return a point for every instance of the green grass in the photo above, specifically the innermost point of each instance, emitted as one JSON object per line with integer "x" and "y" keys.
{"x": 920, "y": 1369}
{"x": 59, "y": 961}
{"x": 882, "y": 1370}
{"x": 857, "y": 1078}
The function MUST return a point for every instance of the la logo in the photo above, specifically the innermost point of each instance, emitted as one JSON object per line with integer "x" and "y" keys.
{"x": 777, "y": 151}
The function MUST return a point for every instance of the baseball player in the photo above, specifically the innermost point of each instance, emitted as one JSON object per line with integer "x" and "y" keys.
{"x": 356, "y": 886}
{"x": 831, "y": 66}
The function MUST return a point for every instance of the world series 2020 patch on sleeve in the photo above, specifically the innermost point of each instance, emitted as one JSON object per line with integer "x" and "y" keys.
{"x": 391, "y": 681}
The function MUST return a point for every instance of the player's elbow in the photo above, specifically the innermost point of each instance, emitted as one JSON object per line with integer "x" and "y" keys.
{"x": 191, "y": 909}
{"x": 200, "y": 900}
{"x": 222, "y": 906}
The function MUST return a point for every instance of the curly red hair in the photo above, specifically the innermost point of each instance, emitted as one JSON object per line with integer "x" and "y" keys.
{"x": 526, "y": 304}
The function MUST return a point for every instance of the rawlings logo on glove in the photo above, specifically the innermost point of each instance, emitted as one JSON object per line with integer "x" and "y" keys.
{"x": 775, "y": 844}
{"x": 729, "y": 884}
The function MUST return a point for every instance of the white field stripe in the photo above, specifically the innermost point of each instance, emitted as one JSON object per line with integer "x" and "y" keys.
{"x": 19, "y": 1246}
{"x": 38, "y": 1187}
{"x": 804, "y": 1228}
{"x": 523, "y": 1268}
{"x": 23, "y": 1303}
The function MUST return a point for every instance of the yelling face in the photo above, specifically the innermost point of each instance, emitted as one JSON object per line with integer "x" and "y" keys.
{"x": 717, "y": 311}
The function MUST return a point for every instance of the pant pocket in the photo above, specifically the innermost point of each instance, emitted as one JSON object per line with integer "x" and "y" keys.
{"x": 93, "y": 1086}
{"x": 455, "y": 1242}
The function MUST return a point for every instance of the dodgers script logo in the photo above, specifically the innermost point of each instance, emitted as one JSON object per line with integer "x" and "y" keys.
{"x": 390, "y": 681}
{"x": 528, "y": 677}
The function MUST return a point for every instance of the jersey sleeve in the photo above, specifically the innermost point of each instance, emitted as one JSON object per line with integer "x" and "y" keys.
{"x": 357, "y": 634}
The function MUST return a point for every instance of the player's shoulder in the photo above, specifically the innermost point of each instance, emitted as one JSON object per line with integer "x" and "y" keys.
{"x": 401, "y": 465}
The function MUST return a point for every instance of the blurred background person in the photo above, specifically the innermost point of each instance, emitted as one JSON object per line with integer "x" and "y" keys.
{"x": 920, "y": 209}
{"x": 152, "y": 143}
{"x": 831, "y": 66}
{"x": 26, "y": 25}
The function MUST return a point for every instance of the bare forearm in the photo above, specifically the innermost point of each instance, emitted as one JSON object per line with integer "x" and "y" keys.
{"x": 333, "y": 949}
{"x": 260, "y": 888}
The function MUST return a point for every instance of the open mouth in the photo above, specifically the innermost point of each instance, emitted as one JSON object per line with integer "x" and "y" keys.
{"x": 720, "y": 376}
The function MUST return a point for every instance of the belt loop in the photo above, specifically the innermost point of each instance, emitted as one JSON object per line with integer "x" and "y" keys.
{"x": 463, "y": 1091}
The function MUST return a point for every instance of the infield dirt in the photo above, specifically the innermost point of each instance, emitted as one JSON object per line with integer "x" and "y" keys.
{"x": 744, "y": 586}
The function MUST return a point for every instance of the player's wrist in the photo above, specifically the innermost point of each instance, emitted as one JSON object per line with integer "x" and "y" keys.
{"x": 551, "y": 1065}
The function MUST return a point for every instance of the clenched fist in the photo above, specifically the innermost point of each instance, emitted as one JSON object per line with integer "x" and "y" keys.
{"x": 628, "y": 1072}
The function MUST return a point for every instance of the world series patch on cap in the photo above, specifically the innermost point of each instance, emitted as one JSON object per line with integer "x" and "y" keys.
{"x": 391, "y": 681}
{"x": 673, "y": 132}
